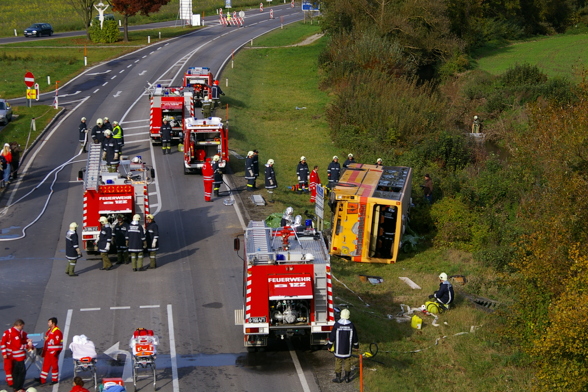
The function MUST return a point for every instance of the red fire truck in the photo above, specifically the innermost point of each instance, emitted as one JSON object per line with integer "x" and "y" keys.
{"x": 171, "y": 103}
{"x": 287, "y": 286}
{"x": 200, "y": 80}
{"x": 205, "y": 138}
{"x": 111, "y": 194}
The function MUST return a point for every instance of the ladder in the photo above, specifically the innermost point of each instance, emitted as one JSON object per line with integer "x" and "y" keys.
{"x": 92, "y": 177}
{"x": 321, "y": 307}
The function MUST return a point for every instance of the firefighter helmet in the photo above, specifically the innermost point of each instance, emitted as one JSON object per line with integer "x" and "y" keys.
{"x": 83, "y": 118}
{"x": 216, "y": 158}
{"x": 335, "y": 157}
{"x": 137, "y": 160}
{"x": 379, "y": 160}
{"x": 103, "y": 220}
{"x": 105, "y": 118}
{"x": 289, "y": 211}
{"x": 73, "y": 226}
{"x": 216, "y": 82}
{"x": 120, "y": 216}
{"x": 136, "y": 217}
{"x": 270, "y": 162}
{"x": 475, "y": 117}
{"x": 345, "y": 313}
{"x": 149, "y": 216}
{"x": 443, "y": 276}
{"x": 99, "y": 121}
{"x": 108, "y": 132}
{"x": 250, "y": 154}
{"x": 350, "y": 155}
{"x": 31, "y": 389}
{"x": 115, "y": 122}
{"x": 303, "y": 158}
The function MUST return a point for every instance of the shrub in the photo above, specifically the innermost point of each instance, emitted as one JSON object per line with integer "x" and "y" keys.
{"x": 108, "y": 34}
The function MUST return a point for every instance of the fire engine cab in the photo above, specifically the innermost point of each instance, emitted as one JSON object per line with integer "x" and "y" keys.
{"x": 124, "y": 192}
{"x": 170, "y": 103}
{"x": 200, "y": 80}
{"x": 205, "y": 138}
{"x": 287, "y": 285}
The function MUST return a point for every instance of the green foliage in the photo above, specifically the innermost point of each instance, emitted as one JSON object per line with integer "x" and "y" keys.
{"x": 107, "y": 35}
{"x": 448, "y": 151}
{"x": 522, "y": 75}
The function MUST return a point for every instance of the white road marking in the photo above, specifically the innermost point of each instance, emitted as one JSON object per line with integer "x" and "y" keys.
{"x": 152, "y": 193}
{"x": 119, "y": 307}
{"x": 99, "y": 73}
{"x": 118, "y": 93}
{"x": 113, "y": 77}
{"x": 134, "y": 121}
{"x": 299, "y": 371}
{"x": 113, "y": 352}
{"x": 105, "y": 83}
{"x": 142, "y": 73}
{"x": 144, "y": 56}
{"x": 148, "y": 306}
{"x": 129, "y": 66}
{"x": 154, "y": 204}
{"x": 151, "y": 52}
{"x": 172, "y": 349}
{"x": 69, "y": 95}
{"x": 65, "y": 336}
{"x": 136, "y": 61}
{"x": 95, "y": 91}
{"x": 121, "y": 71}
{"x": 88, "y": 309}
{"x": 137, "y": 141}
{"x": 141, "y": 127}
{"x": 160, "y": 47}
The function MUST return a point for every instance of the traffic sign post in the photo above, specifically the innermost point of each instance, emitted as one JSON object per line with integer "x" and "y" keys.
{"x": 260, "y": 7}
{"x": 29, "y": 80}
{"x": 271, "y": 13}
{"x": 36, "y": 86}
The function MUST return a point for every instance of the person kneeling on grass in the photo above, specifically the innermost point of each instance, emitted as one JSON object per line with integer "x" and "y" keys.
{"x": 445, "y": 294}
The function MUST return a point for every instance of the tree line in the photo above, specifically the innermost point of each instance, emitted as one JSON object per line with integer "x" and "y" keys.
{"x": 404, "y": 87}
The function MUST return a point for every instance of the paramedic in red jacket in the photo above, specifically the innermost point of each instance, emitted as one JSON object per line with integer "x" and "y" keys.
{"x": 314, "y": 182}
{"x": 14, "y": 344}
{"x": 78, "y": 385}
{"x": 51, "y": 350}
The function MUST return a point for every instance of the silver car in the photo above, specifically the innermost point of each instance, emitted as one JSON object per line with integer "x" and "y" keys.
{"x": 5, "y": 111}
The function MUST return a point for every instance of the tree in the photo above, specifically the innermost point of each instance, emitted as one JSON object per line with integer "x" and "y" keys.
{"x": 84, "y": 8}
{"x": 133, "y": 7}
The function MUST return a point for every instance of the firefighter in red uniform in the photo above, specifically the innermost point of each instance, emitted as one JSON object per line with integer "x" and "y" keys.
{"x": 314, "y": 182}
{"x": 51, "y": 350}
{"x": 208, "y": 178}
{"x": 14, "y": 344}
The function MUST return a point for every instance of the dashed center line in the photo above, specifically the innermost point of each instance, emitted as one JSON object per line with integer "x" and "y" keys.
{"x": 121, "y": 71}
{"x": 119, "y": 307}
{"x": 129, "y": 66}
{"x": 113, "y": 77}
{"x": 148, "y": 306}
{"x": 136, "y": 61}
{"x": 88, "y": 309}
{"x": 144, "y": 56}
{"x": 105, "y": 83}
{"x": 95, "y": 91}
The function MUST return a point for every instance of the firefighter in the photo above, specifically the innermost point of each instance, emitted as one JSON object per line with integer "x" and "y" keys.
{"x": 119, "y": 135}
{"x": 315, "y": 182}
{"x": 302, "y": 173}
{"x": 206, "y": 107}
{"x": 51, "y": 349}
{"x": 217, "y": 176}
{"x": 166, "y": 135}
{"x": 334, "y": 171}
{"x": 14, "y": 344}
{"x": 98, "y": 132}
{"x": 208, "y": 178}
{"x": 255, "y": 165}
{"x": 136, "y": 243}
{"x": 344, "y": 339}
{"x": 83, "y": 134}
{"x": 110, "y": 151}
{"x": 216, "y": 93}
{"x": 107, "y": 124}
{"x": 104, "y": 240}
{"x": 270, "y": 176}
{"x": 72, "y": 249}
{"x": 120, "y": 240}
{"x": 348, "y": 161}
{"x": 287, "y": 217}
{"x": 152, "y": 236}
{"x": 444, "y": 296}
{"x": 249, "y": 173}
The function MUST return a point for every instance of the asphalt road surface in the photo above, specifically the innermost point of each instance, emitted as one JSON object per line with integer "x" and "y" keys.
{"x": 189, "y": 300}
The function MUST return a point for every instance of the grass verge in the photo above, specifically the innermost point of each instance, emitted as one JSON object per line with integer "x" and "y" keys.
{"x": 266, "y": 86}
{"x": 561, "y": 55}
{"x": 19, "y": 129}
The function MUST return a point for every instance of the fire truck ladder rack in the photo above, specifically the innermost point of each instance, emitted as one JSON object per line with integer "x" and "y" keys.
{"x": 92, "y": 177}
{"x": 259, "y": 238}
{"x": 320, "y": 293}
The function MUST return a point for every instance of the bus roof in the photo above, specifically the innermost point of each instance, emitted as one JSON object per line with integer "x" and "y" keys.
{"x": 383, "y": 182}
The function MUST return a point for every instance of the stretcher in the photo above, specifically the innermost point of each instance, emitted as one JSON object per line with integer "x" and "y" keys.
{"x": 112, "y": 385}
{"x": 144, "y": 347}
{"x": 84, "y": 359}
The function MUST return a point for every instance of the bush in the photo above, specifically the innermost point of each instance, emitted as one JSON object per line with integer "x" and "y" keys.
{"x": 522, "y": 75}
{"x": 107, "y": 35}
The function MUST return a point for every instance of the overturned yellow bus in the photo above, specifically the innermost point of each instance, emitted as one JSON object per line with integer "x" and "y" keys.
{"x": 370, "y": 207}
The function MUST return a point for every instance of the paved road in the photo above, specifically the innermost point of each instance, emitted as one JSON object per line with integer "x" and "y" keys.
{"x": 189, "y": 300}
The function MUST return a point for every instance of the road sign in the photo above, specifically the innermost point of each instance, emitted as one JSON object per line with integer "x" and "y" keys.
{"x": 31, "y": 93}
{"x": 29, "y": 79}
{"x": 260, "y": 7}
{"x": 319, "y": 208}
{"x": 241, "y": 14}
{"x": 271, "y": 13}
{"x": 36, "y": 87}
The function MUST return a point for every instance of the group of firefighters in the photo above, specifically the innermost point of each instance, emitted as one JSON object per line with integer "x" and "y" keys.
{"x": 308, "y": 180}
{"x": 129, "y": 240}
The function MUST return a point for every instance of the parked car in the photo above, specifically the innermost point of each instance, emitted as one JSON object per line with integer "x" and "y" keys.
{"x": 39, "y": 29}
{"x": 5, "y": 111}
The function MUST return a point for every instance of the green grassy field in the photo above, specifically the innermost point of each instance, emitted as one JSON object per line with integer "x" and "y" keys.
{"x": 265, "y": 87}
{"x": 19, "y": 15}
{"x": 562, "y": 55}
